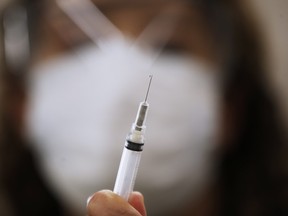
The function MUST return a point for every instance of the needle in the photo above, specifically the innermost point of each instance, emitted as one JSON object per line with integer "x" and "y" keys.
{"x": 150, "y": 76}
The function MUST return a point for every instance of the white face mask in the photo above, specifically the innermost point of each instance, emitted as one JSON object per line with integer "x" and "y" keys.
{"x": 81, "y": 107}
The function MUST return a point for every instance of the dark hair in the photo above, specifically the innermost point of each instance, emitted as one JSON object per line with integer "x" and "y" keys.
{"x": 22, "y": 188}
{"x": 253, "y": 171}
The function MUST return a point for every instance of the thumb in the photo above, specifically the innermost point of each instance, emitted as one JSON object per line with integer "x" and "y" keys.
{"x": 136, "y": 199}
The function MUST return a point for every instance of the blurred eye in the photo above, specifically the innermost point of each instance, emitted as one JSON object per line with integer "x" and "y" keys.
{"x": 173, "y": 48}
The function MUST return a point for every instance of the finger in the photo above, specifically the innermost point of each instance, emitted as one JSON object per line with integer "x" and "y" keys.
{"x": 136, "y": 199}
{"x": 107, "y": 203}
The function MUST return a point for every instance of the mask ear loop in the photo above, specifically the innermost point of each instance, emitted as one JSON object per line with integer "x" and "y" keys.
{"x": 159, "y": 29}
{"x": 98, "y": 27}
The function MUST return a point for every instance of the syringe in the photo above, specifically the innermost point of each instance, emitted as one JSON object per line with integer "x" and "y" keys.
{"x": 132, "y": 151}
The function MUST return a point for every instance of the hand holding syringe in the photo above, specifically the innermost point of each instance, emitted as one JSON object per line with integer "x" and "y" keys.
{"x": 132, "y": 151}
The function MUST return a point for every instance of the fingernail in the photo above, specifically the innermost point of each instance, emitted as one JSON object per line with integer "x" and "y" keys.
{"x": 88, "y": 200}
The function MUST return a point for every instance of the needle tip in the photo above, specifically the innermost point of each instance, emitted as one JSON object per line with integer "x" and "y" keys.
{"x": 150, "y": 76}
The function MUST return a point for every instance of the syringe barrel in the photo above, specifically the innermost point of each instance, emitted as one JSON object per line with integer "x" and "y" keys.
{"x": 131, "y": 154}
{"x": 127, "y": 172}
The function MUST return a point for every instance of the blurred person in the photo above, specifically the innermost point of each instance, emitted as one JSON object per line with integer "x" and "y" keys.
{"x": 69, "y": 135}
{"x": 212, "y": 121}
